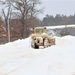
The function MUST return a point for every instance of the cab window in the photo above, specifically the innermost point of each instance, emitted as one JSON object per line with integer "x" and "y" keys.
{"x": 39, "y": 31}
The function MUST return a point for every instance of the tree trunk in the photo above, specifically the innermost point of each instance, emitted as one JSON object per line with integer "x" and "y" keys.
{"x": 22, "y": 29}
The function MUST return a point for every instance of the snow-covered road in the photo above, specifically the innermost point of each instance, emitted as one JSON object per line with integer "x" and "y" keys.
{"x": 18, "y": 58}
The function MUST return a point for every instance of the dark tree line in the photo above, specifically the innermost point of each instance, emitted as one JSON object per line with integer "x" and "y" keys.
{"x": 50, "y": 20}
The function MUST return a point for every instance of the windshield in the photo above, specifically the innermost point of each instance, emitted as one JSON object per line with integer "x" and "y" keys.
{"x": 39, "y": 31}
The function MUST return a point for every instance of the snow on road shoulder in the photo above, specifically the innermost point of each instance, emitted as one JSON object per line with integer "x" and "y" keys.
{"x": 51, "y": 61}
{"x": 18, "y": 58}
{"x": 66, "y": 40}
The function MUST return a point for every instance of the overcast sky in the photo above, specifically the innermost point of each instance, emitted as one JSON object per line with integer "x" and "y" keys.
{"x": 53, "y": 7}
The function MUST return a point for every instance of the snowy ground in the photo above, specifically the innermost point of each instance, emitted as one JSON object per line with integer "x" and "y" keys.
{"x": 18, "y": 58}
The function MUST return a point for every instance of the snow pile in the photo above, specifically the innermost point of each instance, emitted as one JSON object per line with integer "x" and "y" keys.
{"x": 18, "y": 58}
{"x": 66, "y": 40}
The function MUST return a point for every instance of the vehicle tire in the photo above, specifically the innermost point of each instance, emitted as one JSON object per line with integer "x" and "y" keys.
{"x": 33, "y": 44}
{"x": 46, "y": 43}
{"x": 36, "y": 46}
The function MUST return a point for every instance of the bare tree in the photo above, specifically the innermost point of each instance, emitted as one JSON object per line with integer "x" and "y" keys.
{"x": 6, "y": 15}
{"x": 26, "y": 10}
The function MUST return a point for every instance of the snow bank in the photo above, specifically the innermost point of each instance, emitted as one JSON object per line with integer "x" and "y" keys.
{"x": 60, "y": 26}
{"x": 18, "y": 58}
{"x": 65, "y": 41}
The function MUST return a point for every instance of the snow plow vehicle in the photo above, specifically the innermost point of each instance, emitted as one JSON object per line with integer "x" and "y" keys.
{"x": 40, "y": 37}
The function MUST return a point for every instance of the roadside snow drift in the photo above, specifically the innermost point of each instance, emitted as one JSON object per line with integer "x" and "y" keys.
{"x": 18, "y": 58}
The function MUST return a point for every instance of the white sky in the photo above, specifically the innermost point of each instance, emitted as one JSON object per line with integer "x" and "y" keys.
{"x": 53, "y": 7}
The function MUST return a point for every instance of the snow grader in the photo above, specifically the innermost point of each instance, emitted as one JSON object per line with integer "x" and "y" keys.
{"x": 40, "y": 37}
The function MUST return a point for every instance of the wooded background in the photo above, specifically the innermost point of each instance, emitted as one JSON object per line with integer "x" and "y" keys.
{"x": 18, "y": 16}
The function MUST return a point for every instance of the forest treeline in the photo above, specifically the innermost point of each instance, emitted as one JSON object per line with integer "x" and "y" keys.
{"x": 50, "y": 20}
